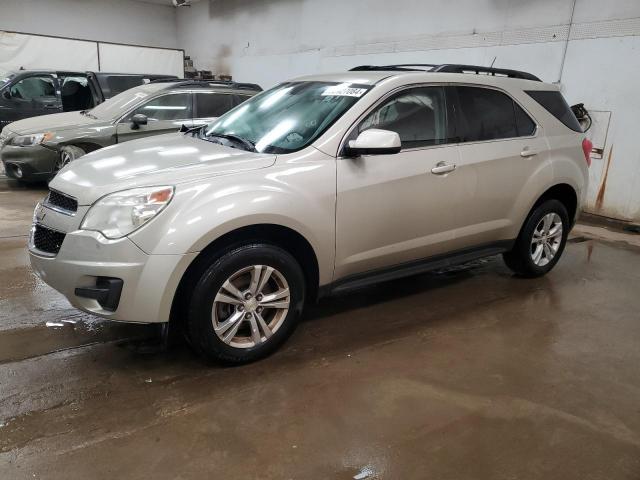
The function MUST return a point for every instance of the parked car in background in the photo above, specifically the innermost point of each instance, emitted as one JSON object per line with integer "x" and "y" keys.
{"x": 36, "y": 148}
{"x": 319, "y": 185}
{"x": 30, "y": 93}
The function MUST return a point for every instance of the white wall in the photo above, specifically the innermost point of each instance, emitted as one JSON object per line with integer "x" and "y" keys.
{"x": 270, "y": 41}
{"x": 120, "y": 21}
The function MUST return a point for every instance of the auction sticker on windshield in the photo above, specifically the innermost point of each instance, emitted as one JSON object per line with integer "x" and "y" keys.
{"x": 343, "y": 91}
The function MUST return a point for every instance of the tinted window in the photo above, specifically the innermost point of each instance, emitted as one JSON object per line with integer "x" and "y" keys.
{"x": 238, "y": 99}
{"x": 167, "y": 107}
{"x": 120, "y": 83}
{"x": 417, "y": 115}
{"x": 32, "y": 88}
{"x": 526, "y": 126}
{"x": 555, "y": 104}
{"x": 486, "y": 114}
{"x": 210, "y": 105}
{"x": 125, "y": 101}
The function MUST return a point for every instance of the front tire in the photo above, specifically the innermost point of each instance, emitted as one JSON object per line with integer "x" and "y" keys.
{"x": 245, "y": 304}
{"x": 541, "y": 240}
{"x": 68, "y": 154}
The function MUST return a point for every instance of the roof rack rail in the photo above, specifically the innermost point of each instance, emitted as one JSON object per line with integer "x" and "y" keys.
{"x": 448, "y": 68}
{"x": 193, "y": 82}
{"x": 478, "y": 70}
{"x": 413, "y": 67}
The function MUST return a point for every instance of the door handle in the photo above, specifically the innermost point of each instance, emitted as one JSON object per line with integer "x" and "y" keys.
{"x": 528, "y": 152}
{"x": 441, "y": 168}
{"x": 50, "y": 105}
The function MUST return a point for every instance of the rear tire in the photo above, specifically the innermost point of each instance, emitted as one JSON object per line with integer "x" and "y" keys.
{"x": 541, "y": 241}
{"x": 245, "y": 304}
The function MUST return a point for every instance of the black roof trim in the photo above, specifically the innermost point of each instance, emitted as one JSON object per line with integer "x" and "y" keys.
{"x": 414, "y": 67}
{"x": 449, "y": 68}
{"x": 190, "y": 82}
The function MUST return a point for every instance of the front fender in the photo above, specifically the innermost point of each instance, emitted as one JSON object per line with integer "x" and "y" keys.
{"x": 296, "y": 195}
{"x": 99, "y": 135}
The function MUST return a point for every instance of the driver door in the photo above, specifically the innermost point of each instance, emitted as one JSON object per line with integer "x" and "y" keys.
{"x": 165, "y": 114}
{"x": 34, "y": 95}
{"x": 396, "y": 208}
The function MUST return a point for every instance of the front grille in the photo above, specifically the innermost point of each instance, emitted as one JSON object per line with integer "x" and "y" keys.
{"x": 62, "y": 201}
{"x": 47, "y": 240}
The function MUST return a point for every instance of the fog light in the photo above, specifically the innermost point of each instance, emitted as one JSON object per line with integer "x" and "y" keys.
{"x": 17, "y": 171}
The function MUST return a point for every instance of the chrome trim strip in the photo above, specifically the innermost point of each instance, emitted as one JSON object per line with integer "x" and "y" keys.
{"x": 63, "y": 211}
{"x": 390, "y": 93}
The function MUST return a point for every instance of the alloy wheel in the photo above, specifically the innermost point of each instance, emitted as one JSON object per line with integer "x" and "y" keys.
{"x": 251, "y": 306}
{"x": 546, "y": 239}
{"x": 65, "y": 158}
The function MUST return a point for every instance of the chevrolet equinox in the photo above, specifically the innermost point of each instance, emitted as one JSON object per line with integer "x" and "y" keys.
{"x": 318, "y": 185}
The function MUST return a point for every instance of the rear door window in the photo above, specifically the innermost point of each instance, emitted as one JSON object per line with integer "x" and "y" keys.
{"x": 526, "y": 127}
{"x": 213, "y": 105}
{"x": 554, "y": 103}
{"x": 116, "y": 84}
{"x": 486, "y": 114}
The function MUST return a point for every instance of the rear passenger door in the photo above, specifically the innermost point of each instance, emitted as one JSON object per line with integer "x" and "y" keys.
{"x": 165, "y": 114}
{"x": 211, "y": 105}
{"x": 500, "y": 149}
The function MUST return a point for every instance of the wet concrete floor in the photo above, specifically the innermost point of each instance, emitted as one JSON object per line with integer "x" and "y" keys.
{"x": 467, "y": 373}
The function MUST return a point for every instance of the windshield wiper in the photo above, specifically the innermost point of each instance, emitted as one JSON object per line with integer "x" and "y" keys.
{"x": 248, "y": 144}
{"x": 87, "y": 114}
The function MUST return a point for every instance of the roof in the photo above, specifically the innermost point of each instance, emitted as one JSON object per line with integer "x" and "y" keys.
{"x": 361, "y": 78}
{"x": 215, "y": 84}
{"x": 412, "y": 76}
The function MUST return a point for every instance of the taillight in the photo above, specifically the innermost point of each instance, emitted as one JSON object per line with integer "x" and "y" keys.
{"x": 586, "y": 148}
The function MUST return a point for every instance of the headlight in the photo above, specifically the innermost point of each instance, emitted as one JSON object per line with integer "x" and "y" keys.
{"x": 28, "y": 140}
{"x": 120, "y": 213}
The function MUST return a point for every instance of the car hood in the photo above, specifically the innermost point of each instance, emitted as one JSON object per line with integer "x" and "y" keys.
{"x": 159, "y": 160}
{"x": 46, "y": 123}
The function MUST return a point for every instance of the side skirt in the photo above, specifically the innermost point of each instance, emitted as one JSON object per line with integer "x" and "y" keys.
{"x": 362, "y": 280}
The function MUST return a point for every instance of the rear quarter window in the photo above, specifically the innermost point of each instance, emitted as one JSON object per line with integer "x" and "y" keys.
{"x": 554, "y": 103}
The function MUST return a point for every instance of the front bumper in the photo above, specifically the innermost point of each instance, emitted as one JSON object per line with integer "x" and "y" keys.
{"x": 86, "y": 258}
{"x": 35, "y": 162}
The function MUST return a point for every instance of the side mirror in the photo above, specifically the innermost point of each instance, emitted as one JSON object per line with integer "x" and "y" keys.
{"x": 374, "y": 142}
{"x": 137, "y": 120}
{"x": 7, "y": 94}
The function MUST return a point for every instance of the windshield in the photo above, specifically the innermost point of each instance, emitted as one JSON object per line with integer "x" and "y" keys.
{"x": 123, "y": 102}
{"x": 288, "y": 117}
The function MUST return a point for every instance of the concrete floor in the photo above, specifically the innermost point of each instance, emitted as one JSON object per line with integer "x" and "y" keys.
{"x": 461, "y": 374}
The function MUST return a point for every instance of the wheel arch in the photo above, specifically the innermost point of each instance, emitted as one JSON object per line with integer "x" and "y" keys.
{"x": 284, "y": 237}
{"x": 88, "y": 147}
{"x": 564, "y": 193}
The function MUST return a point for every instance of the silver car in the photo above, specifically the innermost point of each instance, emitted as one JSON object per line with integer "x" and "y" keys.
{"x": 35, "y": 149}
{"x": 319, "y": 185}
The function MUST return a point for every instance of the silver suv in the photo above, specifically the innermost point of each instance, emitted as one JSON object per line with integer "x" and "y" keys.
{"x": 319, "y": 185}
